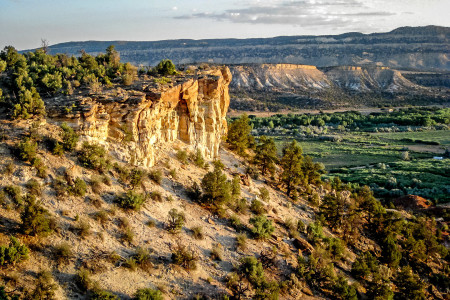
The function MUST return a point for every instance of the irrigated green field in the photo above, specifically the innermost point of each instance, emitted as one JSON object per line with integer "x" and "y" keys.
{"x": 395, "y": 162}
{"x": 440, "y": 136}
{"x": 429, "y": 178}
{"x": 354, "y": 152}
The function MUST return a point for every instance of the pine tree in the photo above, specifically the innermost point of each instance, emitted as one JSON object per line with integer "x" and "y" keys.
{"x": 239, "y": 135}
{"x": 343, "y": 290}
{"x": 216, "y": 188}
{"x": 291, "y": 162}
{"x": 332, "y": 208}
{"x": 311, "y": 171}
{"x": 266, "y": 155}
{"x": 390, "y": 251}
{"x": 410, "y": 285}
{"x": 236, "y": 187}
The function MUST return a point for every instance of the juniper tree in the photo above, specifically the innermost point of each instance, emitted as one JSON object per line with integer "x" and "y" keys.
{"x": 113, "y": 57}
{"x": 29, "y": 104}
{"x": 262, "y": 227}
{"x": 36, "y": 219}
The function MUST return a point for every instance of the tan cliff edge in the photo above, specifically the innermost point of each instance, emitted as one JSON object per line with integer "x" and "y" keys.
{"x": 136, "y": 124}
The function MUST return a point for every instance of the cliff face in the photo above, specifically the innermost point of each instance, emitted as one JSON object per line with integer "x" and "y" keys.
{"x": 369, "y": 79}
{"x": 298, "y": 78}
{"x": 139, "y": 123}
{"x": 278, "y": 76}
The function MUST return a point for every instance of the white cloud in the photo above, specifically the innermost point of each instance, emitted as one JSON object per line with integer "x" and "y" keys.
{"x": 339, "y": 13}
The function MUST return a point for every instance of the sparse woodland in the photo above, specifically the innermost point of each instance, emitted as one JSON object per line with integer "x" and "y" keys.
{"x": 256, "y": 223}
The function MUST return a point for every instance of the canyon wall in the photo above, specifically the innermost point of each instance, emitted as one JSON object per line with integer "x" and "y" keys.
{"x": 139, "y": 123}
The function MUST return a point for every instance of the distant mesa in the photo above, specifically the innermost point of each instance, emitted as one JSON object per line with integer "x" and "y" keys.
{"x": 285, "y": 77}
{"x": 420, "y": 48}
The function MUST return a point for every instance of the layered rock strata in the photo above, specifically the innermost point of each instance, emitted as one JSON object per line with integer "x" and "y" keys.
{"x": 298, "y": 78}
{"x": 139, "y": 123}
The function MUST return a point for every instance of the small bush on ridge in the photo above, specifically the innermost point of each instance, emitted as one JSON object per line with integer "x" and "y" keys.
{"x": 14, "y": 253}
{"x": 184, "y": 257}
{"x": 93, "y": 156}
{"x": 262, "y": 227}
{"x": 148, "y": 294}
{"x": 131, "y": 200}
{"x": 176, "y": 221}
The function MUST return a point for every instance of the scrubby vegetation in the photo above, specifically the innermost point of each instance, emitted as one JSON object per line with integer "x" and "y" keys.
{"x": 93, "y": 156}
{"x": 148, "y": 294}
{"x": 34, "y": 75}
{"x": 131, "y": 200}
{"x": 14, "y": 253}
{"x": 392, "y": 151}
{"x": 184, "y": 257}
{"x": 36, "y": 219}
{"x": 267, "y": 223}
{"x": 175, "y": 221}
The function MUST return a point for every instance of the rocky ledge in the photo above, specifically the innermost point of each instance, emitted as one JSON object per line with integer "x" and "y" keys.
{"x": 138, "y": 122}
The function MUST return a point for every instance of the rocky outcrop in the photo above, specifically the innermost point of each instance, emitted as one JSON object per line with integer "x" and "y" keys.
{"x": 139, "y": 123}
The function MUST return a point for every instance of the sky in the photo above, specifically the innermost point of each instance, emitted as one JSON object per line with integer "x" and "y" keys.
{"x": 25, "y": 23}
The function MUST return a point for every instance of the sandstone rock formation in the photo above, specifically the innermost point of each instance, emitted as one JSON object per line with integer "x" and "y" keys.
{"x": 138, "y": 123}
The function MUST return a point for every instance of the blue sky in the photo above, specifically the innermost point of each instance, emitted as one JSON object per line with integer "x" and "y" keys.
{"x": 24, "y": 23}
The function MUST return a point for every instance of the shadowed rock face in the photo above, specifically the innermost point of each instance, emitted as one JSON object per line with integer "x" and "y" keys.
{"x": 137, "y": 124}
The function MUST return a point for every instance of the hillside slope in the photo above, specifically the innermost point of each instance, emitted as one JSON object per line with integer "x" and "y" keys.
{"x": 115, "y": 184}
{"x": 94, "y": 245}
